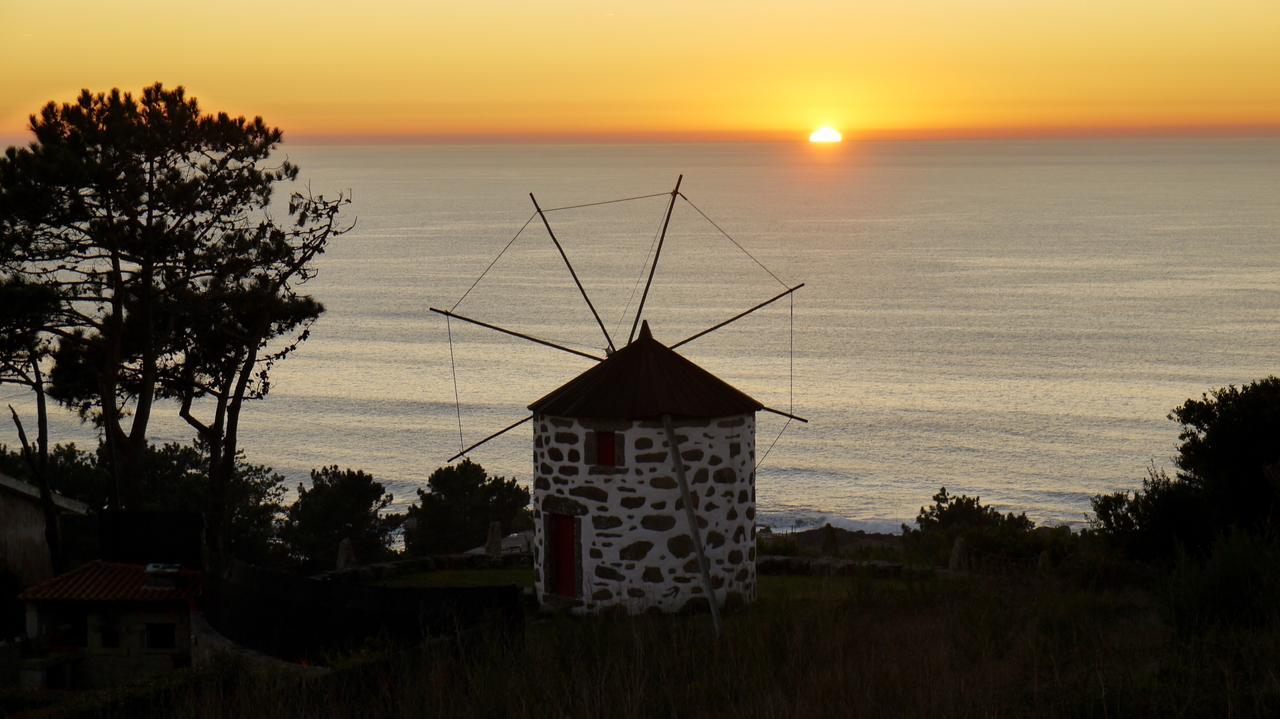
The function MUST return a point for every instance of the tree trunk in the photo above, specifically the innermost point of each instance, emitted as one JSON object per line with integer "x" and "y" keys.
{"x": 38, "y": 462}
{"x": 52, "y": 523}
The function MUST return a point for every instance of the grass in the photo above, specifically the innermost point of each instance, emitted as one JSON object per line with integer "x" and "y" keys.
{"x": 850, "y": 646}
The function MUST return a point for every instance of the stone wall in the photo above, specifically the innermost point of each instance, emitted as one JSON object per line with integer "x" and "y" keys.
{"x": 635, "y": 548}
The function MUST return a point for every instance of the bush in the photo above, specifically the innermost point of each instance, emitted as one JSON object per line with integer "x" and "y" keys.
{"x": 776, "y": 545}
{"x": 176, "y": 480}
{"x": 73, "y": 472}
{"x": 1155, "y": 521}
{"x": 341, "y": 504}
{"x": 1230, "y": 453}
{"x": 455, "y": 515}
{"x": 988, "y": 534}
{"x": 1228, "y": 479}
{"x": 1236, "y": 584}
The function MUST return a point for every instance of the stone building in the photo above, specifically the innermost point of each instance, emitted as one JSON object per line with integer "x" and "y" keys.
{"x": 23, "y": 548}
{"x": 611, "y": 531}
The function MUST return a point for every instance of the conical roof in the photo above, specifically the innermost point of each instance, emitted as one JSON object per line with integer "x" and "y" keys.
{"x": 645, "y": 380}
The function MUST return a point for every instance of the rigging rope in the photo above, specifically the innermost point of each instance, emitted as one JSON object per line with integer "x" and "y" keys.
{"x": 775, "y": 441}
{"x": 730, "y": 238}
{"x": 623, "y": 317}
{"x": 453, "y": 368}
{"x": 791, "y": 376}
{"x": 494, "y": 262}
{"x": 606, "y": 202}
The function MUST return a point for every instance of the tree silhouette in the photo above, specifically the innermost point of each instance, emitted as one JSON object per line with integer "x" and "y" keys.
{"x": 341, "y": 504}
{"x": 150, "y": 220}
{"x": 455, "y": 515}
{"x": 1228, "y": 477}
{"x": 1230, "y": 452}
{"x": 26, "y": 310}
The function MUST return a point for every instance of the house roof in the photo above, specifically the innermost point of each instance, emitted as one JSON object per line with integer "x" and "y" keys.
{"x": 32, "y": 492}
{"x": 101, "y": 581}
{"x": 645, "y": 380}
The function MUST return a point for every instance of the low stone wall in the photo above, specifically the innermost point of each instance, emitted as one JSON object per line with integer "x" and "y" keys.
{"x": 382, "y": 571}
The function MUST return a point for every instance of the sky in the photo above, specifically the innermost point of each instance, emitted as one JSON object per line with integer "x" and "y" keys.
{"x": 659, "y": 69}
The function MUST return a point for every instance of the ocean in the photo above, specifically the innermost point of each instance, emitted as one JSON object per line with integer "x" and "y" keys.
{"x": 1009, "y": 319}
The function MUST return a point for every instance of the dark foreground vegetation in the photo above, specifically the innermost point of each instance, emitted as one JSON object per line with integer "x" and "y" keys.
{"x": 971, "y": 612}
{"x": 819, "y": 646}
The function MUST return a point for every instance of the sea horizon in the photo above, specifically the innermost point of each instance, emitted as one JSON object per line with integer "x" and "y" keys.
{"x": 1007, "y": 318}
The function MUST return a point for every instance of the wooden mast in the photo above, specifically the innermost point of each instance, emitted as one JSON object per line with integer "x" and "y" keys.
{"x": 568, "y": 264}
{"x": 704, "y": 567}
{"x": 513, "y": 333}
{"x": 499, "y": 433}
{"x": 737, "y": 317}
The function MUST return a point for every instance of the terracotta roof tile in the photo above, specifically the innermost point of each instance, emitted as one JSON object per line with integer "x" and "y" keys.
{"x": 645, "y": 380}
{"x": 100, "y": 581}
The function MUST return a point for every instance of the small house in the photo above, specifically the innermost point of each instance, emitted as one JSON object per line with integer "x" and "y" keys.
{"x": 611, "y": 529}
{"x": 107, "y": 623}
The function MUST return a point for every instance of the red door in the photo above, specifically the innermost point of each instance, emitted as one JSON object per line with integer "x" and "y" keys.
{"x": 562, "y": 555}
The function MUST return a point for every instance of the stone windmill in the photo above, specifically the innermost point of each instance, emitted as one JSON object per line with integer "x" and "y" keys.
{"x": 644, "y": 472}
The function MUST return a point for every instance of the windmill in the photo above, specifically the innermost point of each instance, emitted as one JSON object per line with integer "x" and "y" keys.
{"x": 644, "y": 465}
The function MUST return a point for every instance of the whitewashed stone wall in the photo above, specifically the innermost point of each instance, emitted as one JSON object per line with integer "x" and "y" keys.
{"x": 636, "y": 550}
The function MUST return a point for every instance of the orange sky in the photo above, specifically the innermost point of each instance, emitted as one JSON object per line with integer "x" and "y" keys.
{"x": 386, "y": 69}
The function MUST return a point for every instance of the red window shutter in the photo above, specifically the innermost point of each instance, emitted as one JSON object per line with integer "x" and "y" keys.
{"x": 606, "y": 449}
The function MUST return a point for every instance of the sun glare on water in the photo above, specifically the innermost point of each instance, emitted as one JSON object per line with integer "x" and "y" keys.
{"x": 825, "y": 134}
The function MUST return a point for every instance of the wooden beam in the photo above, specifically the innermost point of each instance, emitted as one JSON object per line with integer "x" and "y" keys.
{"x": 499, "y": 433}
{"x": 704, "y": 567}
{"x": 737, "y": 317}
{"x": 513, "y": 333}
{"x": 788, "y": 415}
{"x": 573, "y": 274}
{"x": 666, "y": 221}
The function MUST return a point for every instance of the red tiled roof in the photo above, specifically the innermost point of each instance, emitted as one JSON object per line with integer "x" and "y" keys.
{"x": 100, "y": 581}
{"x": 645, "y": 380}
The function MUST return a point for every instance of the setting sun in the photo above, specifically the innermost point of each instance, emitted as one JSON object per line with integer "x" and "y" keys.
{"x": 825, "y": 134}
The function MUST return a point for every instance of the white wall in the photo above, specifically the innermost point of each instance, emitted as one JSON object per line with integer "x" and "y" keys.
{"x": 636, "y": 548}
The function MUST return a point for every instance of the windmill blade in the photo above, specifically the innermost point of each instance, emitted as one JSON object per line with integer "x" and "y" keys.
{"x": 495, "y": 435}
{"x": 788, "y": 415}
{"x": 573, "y": 274}
{"x": 513, "y": 333}
{"x": 737, "y": 317}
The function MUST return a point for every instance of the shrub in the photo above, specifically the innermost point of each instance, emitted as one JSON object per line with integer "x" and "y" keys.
{"x": 176, "y": 480}
{"x": 1236, "y": 584}
{"x": 341, "y": 504}
{"x": 989, "y": 534}
{"x": 777, "y": 545}
{"x": 1230, "y": 453}
{"x": 1153, "y": 522}
{"x": 455, "y": 515}
{"x": 1228, "y": 479}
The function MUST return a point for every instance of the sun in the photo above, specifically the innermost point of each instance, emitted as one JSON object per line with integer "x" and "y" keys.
{"x": 825, "y": 134}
